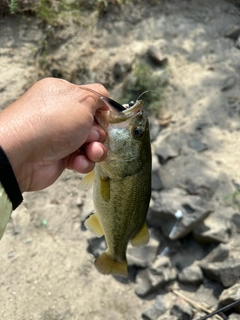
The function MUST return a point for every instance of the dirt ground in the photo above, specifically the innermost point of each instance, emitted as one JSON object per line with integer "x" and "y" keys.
{"x": 45, "y": 270}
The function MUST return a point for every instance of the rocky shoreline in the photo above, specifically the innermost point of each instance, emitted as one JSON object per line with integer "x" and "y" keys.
{"x": 191, "y": 265}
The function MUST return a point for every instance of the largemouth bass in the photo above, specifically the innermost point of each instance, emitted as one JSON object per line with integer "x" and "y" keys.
{"x": 121, "y": 186}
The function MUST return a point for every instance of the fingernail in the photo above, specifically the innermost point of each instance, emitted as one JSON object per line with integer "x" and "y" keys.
{"x": 84, "y": 163}
{"x": 95, "y": 135}
{"x": 101, "y": 153}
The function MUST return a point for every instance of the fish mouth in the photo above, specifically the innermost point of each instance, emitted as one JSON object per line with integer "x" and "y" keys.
{"x": 128, "y": 113}
{"x": 113, "y": 104}
{"x": 106, "y": 117}
{"x": 125, "y": 108}
{"x": 133, "y": 110}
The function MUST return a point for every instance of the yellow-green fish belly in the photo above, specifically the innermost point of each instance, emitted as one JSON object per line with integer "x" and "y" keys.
{"x": 121, "y": 206}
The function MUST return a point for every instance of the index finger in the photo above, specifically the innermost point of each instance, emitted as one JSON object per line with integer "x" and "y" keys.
{"x": 108, "y": 101}
{"x": 100, "y": 92}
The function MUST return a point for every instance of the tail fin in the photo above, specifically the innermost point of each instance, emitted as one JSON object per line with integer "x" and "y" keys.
{"x": 106, "y": 265}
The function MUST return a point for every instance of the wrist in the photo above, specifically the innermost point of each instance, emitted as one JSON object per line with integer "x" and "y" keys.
{"x": 11, "y": 141}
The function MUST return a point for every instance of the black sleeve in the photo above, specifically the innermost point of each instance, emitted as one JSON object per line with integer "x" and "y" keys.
{"x": 9, "y": 181}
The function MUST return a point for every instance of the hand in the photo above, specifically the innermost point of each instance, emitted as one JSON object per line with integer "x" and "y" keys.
{"x": 50, "y": 128}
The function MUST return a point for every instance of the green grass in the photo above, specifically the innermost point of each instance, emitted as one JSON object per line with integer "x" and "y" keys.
{"x": 13, "y": 6}
{"x": 54, "y": 12}
{"x": 51, "y": 12}
{"x": 144, "y": 79}
{"x": 57, "y": 15}
{"x": 104, "y": 4}
{"x": 233, "y": 199}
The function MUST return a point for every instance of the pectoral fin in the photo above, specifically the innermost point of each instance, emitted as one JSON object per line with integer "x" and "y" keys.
{"x": 93, "y": 224}
{"x": 106, "y": 265}
{"x": 142, "y": 237}
{"x": 87, "y": 180}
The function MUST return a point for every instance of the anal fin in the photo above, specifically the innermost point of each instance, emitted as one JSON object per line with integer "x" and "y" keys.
{"x": 142, "y": 237}
{"x": 93, "y": 224}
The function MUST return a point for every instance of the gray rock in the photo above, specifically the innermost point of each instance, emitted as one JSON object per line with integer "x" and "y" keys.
{"x": 155, "y": 277}
{"x": 161, "y": 263}
{"x": 236, "y": 220}
{"x": 229, "y": 83}
{"x": 219, "y": 254}
{"x": 191, "y": 173}
{"x": 169, "y": 316}
{"x": 184, "y": 252}
{"x": 233, "y": 32}
{"x": 226, "y": 272}
{"x": 55, "y": 313}
{"x": 225, "y": 187}
{"x": 96, "y": 246}
{"x": 21, "y": 219}
{"x": 156, "y": 310}
{"x": 231, "y": 295}
{"x": 121, "y": 68}
{"x": 199, "y": 315}
{"x": 215, "y": 228}
{"x": 154, "y": 56}
{"x": 156, "y": 180}
{"x": 197, "y": 144}
{"x": 237, "y": 43}
{"x": 155, "y": 163}
{"x": 182, "y": 310}
{"x": 143, "y": 256}
{"x": 143, "y": 283}
{"x": 234, "y": 316}
{"x": 167, "y": 146}
{"x": 207, "y": 293}
{"x": 191, "y": 275}
{"x": 154, "y": 128}
{"x": 166, "y": 203}
{"x": 11, "y": 254}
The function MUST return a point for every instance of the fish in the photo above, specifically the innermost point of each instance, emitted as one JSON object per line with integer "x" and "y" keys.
{"x": 121, "y": 186}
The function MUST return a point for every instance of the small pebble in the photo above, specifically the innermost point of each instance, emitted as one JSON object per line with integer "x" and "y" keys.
{"x": 229, "y": 83}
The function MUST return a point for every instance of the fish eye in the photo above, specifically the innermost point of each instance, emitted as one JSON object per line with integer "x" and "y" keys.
{"x": 131, "y": 103}
{"x": 138, "y": 132}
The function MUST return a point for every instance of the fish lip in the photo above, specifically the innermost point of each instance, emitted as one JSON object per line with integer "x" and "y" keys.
{"x": 114, "y": 117}
{"x": 134, "y": 110}
{"x": 111, "y": 116}
{"x": 122, "y": 108}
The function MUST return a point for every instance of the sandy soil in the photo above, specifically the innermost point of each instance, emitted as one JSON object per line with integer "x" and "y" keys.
{"x": 45, "y": 270}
